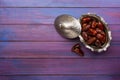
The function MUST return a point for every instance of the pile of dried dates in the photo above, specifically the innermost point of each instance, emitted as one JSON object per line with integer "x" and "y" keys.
{"x": 93, "y": 32}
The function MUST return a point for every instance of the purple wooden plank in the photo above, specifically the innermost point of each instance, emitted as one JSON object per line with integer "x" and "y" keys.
{"x": 36, "y": 32}
{"x": 5, "y": 78}
{"x": 59, "y": 77}
{"x": 60, "y": 66}
{"x": 59, "y": 3}
{"x": 48, "y": 15}
{"x": 51, "y": 50}
{"x": 29, "y": 32}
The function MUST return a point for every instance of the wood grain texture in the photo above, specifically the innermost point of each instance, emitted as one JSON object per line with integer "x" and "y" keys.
{"x": 41, "y": 33}
{"x": 59, "y": 3}
{"x": 52, "y": 50}
{"x": 60, "y": 66}
{"x": 48, "y": 15}
{"x": 59, "y": 77}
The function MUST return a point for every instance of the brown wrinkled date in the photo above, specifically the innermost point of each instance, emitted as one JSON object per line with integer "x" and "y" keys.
{"x": 77, "y": 49}
{"x": 93, "y": 32}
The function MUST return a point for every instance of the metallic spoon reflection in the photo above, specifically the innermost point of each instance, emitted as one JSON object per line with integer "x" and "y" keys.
{"x": 67, "y": 26}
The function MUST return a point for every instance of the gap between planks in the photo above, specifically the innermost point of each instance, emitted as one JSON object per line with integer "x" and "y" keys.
{"x": 52, "y": 7}
{"x": 61, "y": 75}
{"x": 76, "y": 57}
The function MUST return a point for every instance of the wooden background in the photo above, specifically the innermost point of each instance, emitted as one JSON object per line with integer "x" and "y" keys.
{"x": 31, "y": 49}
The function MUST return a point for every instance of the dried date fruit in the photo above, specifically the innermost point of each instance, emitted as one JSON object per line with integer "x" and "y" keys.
{"x": 89, "y": 37}
{"x": 85, "y": 36}
{"x": 92, "y": 32}
{"x": 100, "y": 37}
{"x": 100, "y": 31}
{"x": 98, "y": 43}
{"x": 85, "y": 20}
{"x": 100, "y": 26}
{"x": 85, "y": 28}
{"x": 84, "y": 25}
{"x": 94, "y": 24}
{"x": 77, "y": 49}
{"x": 103, "y": 40}
{"x": 91, "y": 40}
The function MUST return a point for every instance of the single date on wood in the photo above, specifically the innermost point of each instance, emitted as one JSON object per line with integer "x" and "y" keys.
{"x": 77, "y": 49}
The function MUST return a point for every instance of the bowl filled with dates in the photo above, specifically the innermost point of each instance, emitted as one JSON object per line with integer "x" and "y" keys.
{"x": 94, "y": 34}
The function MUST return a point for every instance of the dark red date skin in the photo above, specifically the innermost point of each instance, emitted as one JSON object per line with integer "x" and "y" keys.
{"x": 85, "y": 20}
{"x": 100, "y": 37}
{"x": 85, "y": 36}
{"x": 91, "y": 40}
{"x": 92, "y": 32}
{"x": 94, "y": 24}
{"x": 77, "y": 49}
{"x": 100, "y": 26}
{"x": 85, "y": 27}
